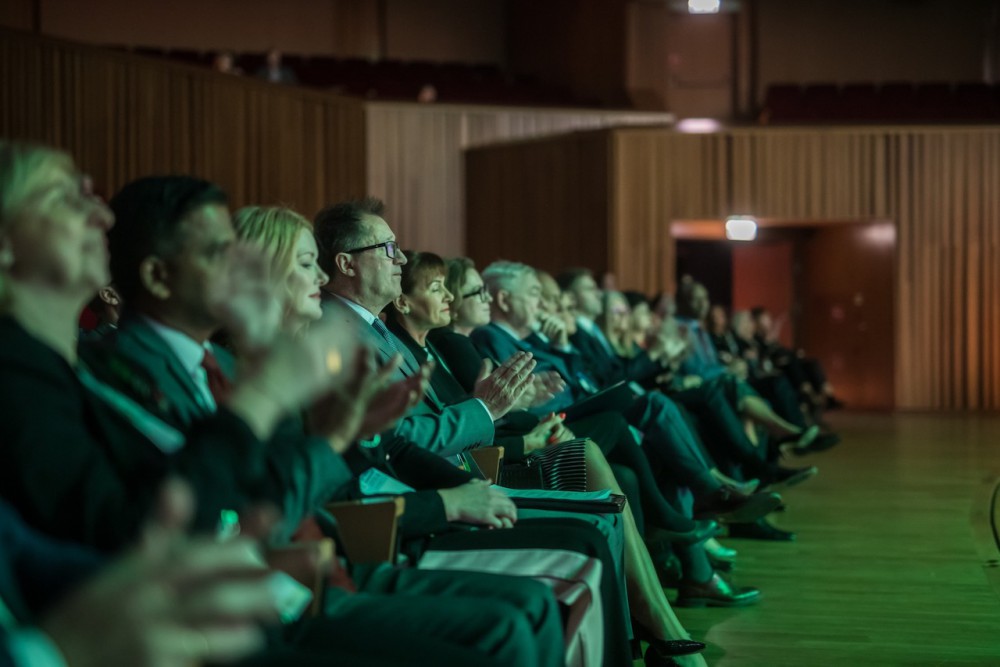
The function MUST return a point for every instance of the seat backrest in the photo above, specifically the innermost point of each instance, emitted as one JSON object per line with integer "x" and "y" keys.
{"x": 489, "y": 460}
{"x": 368, "y": 528}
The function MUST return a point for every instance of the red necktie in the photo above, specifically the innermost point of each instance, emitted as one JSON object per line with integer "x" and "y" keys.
{"x": 218, "y": 383}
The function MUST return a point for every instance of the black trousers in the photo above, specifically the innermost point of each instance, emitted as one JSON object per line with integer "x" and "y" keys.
{"x": 711, "y": 404}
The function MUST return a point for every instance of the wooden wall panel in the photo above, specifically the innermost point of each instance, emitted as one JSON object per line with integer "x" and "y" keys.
{"x": 937, "y": 184}
{"x": 414, "y": 157}
{"x": 511, "y": 210}
{"x": 122, "y": 117}
{"x": 657, "y": 177}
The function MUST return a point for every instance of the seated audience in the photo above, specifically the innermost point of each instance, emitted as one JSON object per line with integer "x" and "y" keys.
{"x": 425, "y": 304}
{"x": 360, "y": 250}
{"x": 806, "y": 373}
{"x": 516, "y": 292}
{"x": 740, "y": 357}
{"x": 80, "y": 457}
{"x": 693, "y": 306}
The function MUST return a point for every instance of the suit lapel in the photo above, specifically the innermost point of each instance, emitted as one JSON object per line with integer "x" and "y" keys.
{"x": 368, "y": 333}
{"x": 139, "y": 341}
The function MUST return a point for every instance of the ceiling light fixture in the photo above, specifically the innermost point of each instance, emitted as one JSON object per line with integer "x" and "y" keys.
{"x": 703, "y": 6}
{"x": 741, "y": 228}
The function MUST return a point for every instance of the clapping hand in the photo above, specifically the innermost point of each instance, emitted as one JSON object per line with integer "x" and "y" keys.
{"x": 368, "y": 402}
{"x": 174, "y": 602}
{"x": 501, "y": 389}
{"x": 543, "y": 388}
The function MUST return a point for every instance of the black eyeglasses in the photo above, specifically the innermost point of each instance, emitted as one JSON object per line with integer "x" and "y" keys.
{"x": 482, "y": 293}
{"x": 390, "y": 249}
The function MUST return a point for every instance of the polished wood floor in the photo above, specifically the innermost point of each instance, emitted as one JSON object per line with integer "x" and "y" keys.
{"x": 887, "y": 569}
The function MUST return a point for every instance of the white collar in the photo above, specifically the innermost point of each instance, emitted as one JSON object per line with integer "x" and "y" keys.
{"x": 506, "y": 327}
{"x": 187, "y": 350}
{"x": 365, "y": 314}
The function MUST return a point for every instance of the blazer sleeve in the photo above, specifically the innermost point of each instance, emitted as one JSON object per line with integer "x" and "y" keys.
{"x": 642, "y": 369}
{"x": 452, "y": 430}
{"x": 75, "y": 468}
{"x": 303, "y": 473}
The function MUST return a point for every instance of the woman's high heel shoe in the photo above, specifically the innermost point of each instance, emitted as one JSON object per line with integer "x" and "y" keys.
{"x": 664, "y": 648}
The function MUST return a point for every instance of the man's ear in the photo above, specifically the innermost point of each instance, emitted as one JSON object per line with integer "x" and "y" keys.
{"x": 153, "y": 274}
{"x": 402, "y": 304}
{"x": 344, "y": 263}
{"x": 502, "y": 300}
{"x": 109, "y": 296}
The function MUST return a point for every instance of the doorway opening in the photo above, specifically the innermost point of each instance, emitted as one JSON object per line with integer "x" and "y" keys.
{"x": 829, "y": 286}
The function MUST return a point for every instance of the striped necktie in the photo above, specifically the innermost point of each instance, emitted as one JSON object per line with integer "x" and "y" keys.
{"x": 384, "y": 332}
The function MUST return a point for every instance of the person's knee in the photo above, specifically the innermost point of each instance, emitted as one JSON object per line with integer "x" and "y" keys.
{"x": 627, "y": 479}
{"x": 532, "y": 597}
{"x": 516, "y": 640}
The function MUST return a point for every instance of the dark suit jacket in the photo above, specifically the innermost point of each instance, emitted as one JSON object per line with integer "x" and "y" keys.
{"x": 303, "y": 472}
{"x": 608, "y": 368}
{"x": 77, "y": 468}
{"x": 433, "y": 425}
{"x": 510, "y": 430}
{"x": 496, "y": 343}
{"x": 400, "y": 454}
{"x": 460, "y": 354}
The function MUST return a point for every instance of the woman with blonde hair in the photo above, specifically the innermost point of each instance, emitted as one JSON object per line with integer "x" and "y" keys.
{"x": 287, "y": 239}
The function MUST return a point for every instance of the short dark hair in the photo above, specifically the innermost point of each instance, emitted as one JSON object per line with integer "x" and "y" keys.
{"x": 685, "y": 297}
{"x": 417, "y": 264}
{"x": 148, "y": 213}
{"x": 338, "y": 227}
{"x": 757, "y": 311}
{"x": 566, "y": 279}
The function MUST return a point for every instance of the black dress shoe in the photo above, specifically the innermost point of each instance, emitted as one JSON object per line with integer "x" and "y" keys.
{"x": 760, "y": 530}
{"x": 728, "y": 504}
{"x": 784, "y": 478}
{"x": 716, "y": 592}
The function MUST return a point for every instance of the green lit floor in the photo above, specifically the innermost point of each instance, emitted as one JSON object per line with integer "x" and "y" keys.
{"x": 886, "y": 569}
